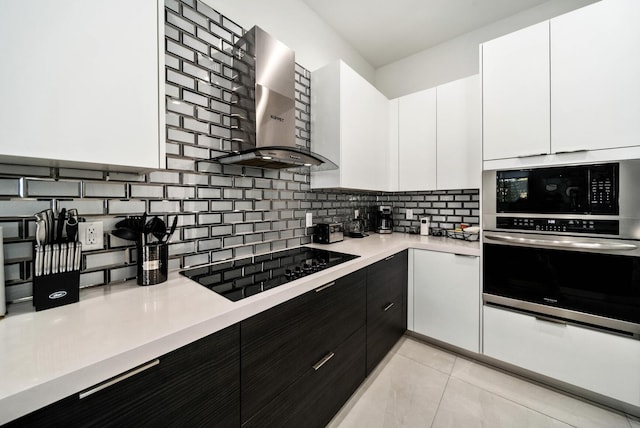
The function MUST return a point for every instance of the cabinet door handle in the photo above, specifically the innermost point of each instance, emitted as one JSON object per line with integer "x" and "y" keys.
{"x": 389, "y": 306}
{"x": 465, "y": 255}
{"x": 324, "y": 287}
{"x": 390, "y": 257}
{"x": 120, "y": 378}
{"x": 323, "y": 361}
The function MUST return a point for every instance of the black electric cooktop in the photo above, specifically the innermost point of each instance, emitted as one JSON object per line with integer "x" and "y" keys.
{"x": 242, "y": 278}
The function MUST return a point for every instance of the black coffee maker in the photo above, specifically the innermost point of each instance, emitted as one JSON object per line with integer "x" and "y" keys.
{"x": 384, "y": 220}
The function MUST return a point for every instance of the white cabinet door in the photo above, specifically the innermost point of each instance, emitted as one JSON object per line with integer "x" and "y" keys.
{"x": 446, "y": 298}
{"x": 595, "y": 84}
{"x": 364, "y": 124}
{"x": 600, "y": 362}
{"x": 459, "y": 134}
{"x": 417, "y": 141}
{"x": 79, "y": 82}
{"x": 350, "y": 126}
{"x": 515, "y": 87}
{"x": 393, "y": 145}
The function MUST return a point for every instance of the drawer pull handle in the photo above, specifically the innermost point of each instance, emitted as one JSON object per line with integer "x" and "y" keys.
{"x": 120, "y": 378}
{"x": 465, "y": 255}
{"x": 551, "y": 321}
{"x": 532, "y": 154}
{"x": 323, "y": 361}
{"x": 389, "y": 306}
{"x": 324, "y": 287}
{"x": 390, "y": 257}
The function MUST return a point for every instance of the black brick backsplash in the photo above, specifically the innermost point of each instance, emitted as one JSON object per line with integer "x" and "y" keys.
{"x": 224, "y": 211}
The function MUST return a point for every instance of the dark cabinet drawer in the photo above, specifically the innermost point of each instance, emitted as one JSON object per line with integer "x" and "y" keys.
{"x": 316, "y": 397}
{"x": 386, "y": 306}
{"x": 198, "y": 384}
{"x": 280, "y": 344}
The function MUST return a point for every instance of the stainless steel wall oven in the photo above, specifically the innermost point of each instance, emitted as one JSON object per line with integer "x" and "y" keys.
{"x": 564, "y": 243}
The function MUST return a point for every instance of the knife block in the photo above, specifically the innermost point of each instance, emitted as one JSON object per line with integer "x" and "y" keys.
{"x": 50, "y": 291}
{"x": 57, "y": 289}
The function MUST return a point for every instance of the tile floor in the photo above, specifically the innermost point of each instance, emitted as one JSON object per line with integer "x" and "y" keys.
{"x": 418, "y": 385}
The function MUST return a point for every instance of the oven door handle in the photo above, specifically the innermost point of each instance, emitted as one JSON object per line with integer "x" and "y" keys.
{"x": 567, "y": 244}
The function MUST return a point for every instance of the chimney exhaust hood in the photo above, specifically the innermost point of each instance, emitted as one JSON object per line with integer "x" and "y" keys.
{"x": 263, "y": 109}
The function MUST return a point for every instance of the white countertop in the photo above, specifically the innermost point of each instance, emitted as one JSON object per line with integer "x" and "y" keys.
{"x": 51, "y": 354}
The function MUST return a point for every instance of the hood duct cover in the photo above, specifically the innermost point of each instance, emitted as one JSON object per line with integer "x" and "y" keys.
{"x": 263, "y": 109}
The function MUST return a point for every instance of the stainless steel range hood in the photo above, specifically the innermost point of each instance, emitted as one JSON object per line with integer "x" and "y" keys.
{"x": 263, "y": 112}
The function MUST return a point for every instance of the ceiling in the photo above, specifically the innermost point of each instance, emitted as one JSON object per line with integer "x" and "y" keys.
{"x": 378, "y": 29}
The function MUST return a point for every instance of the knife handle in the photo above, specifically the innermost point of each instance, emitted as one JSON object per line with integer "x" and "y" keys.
{"x": 60, "y": 226}
{"x": 55, "y": 258}
{"x": 47, "y": 260}
{"x": 78, "y": 256}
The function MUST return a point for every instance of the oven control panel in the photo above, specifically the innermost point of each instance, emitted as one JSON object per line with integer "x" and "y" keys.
{"x": 609, "y": 227}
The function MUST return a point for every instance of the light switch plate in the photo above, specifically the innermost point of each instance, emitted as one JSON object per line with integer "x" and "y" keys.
{"x": 409, "y": 214}
{"x": 309, "y": 220}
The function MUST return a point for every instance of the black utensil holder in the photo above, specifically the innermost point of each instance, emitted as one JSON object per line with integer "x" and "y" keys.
{"x": 153, "y": 263}
{"x": 58, "y": 289}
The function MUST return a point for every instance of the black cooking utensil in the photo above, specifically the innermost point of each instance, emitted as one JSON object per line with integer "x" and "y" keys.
{"x": 157, "y": 228}
{"x": 173, "y": 229}
{"x": 143, "y": 233}
{"x": 132, "y": 223}
{"x": 126, "y": 233}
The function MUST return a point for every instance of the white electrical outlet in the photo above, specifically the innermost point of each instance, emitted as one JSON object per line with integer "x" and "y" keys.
{"x": 91, "y": 235}
{"x": 409, "y": 214}
{"x": 309, "y": 220}
{"x": 356, "y": 214}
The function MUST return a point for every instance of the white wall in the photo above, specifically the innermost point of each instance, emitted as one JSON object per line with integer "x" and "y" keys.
{"x": 297, "y": 26}
{"x": 458, "y": 58}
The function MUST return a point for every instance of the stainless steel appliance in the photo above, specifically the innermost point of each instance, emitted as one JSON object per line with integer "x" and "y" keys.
{"x": 384, "y": 222}
{"x": 328, "y": 233}
{"x": 238, "y": 279}
{"x": 563, "y": 242}
{"x": 263, "y": 109}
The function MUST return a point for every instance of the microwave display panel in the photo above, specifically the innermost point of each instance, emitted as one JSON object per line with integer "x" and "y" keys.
{"x": 588, "y": 189}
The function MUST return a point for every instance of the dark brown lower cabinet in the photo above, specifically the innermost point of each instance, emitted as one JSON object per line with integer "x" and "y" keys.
{"x": 281, "y": 346}
{"x": 386, "y": 306}
{"x": 318, "y": 394}
{"x": 196, "y": 385}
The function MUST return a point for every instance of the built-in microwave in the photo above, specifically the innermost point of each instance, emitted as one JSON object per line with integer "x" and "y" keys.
{"x": 592, "y": 199}
{"x": 578, "y": 189}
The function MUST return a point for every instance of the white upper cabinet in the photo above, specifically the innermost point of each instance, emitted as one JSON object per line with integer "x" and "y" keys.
{"x": 515, "y": 80}
{"x": 417, "y": 141}
{"x": 595, "y": 77}
{"x": 567, "y": 89}
{"x": 350, "y": 126}
{"x": 80, "y": 83}
{"x": 459, "y": 134}
{"x": 440, "y": 137}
